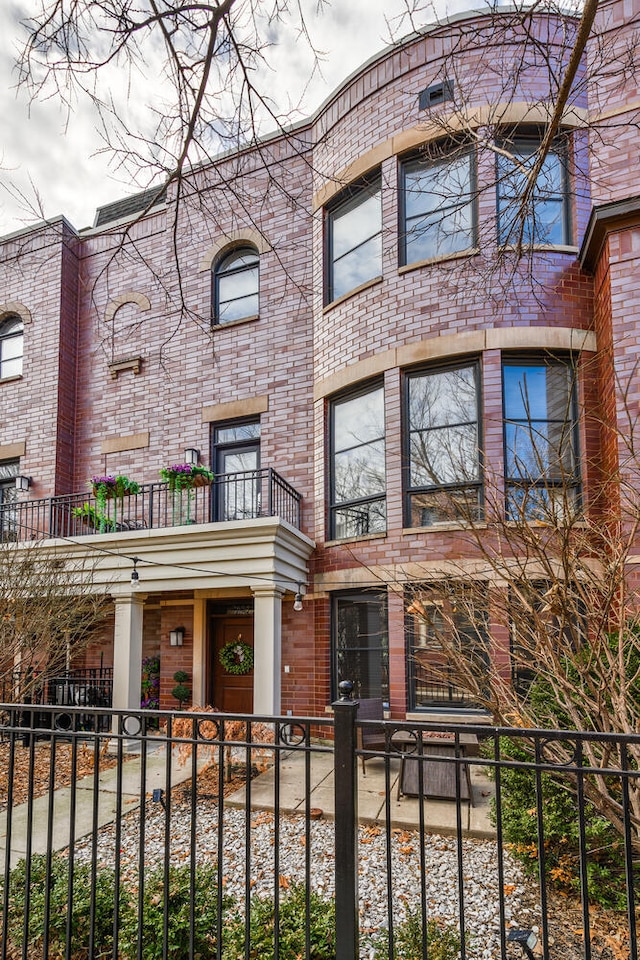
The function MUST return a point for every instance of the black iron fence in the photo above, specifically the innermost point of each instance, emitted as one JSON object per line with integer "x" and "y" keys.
{"x": 81, "y": 687}
{"x": 243, "y": 837}
{"x": 233, "y": 496}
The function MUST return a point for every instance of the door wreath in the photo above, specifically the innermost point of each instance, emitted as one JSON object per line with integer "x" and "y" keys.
{"x": 237, "y": 657}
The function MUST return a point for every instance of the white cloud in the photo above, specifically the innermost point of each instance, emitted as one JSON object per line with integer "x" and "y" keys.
{"x": 60, "y": 154}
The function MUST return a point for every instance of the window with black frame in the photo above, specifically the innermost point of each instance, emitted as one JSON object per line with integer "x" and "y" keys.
{"x": 236, "y": 458}
{"x": 447, "y": 645}
{"x": 361, "y": 644}
{"x": 236, "y": 280}
{"x": 353, "y": 238}
{"x": 11, "y": 347}
{"x": 8, "y": 496}
{"x": 542, "y": 478}
{"x": 358, "y": 475}
{"x": 437, "y": 205}
{"x": 543, "y": 217}
{"x": 443, "y": 461}
{"x": 544, "y": 619}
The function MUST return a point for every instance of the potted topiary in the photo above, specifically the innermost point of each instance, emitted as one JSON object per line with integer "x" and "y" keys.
{"x": 180, "y": 691}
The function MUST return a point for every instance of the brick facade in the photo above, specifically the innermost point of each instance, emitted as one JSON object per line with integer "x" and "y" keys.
{"x": 121, "y": 343}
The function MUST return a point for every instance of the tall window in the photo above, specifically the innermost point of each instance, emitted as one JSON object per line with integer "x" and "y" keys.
{"x": 358, "y": 480}
{"x": 545, "y": 216}
{"x": 447, "y": 648}
{"x": 437, "y": 207}
{"x": 543, "y": 615}
{"x": 540, "y": 439}
{"x": 354, "y": 239}
{"x": 11, "y": 347}
{"x": 8, "y": 495}
{"x": 236, "y": 281}
{"x": 443, "y": 460}
{"x": 237, "y": 484}
{"x": 361, "y": 644}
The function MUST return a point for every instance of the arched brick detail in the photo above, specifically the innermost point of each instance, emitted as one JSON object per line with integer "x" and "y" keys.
{"x": 14, "y": 307}
{"x": 509, "y": 114}
{"x": 129, "y": 297}
{"x": 236, "y": 238}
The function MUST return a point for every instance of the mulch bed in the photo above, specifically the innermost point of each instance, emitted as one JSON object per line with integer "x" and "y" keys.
{"x": 64, "y": 774}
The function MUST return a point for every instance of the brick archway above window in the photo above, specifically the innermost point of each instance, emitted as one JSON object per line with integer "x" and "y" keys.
{"x": 233, "y": 239}
{"x": 13, "y": 308}
{"x": 129, "y": 297}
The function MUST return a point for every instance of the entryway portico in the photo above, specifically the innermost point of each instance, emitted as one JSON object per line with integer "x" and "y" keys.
{"x": 260, "y": 562}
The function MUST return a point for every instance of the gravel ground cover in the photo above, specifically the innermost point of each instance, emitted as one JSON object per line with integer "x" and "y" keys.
{"x": 479, "y": 860}
{"x": 610, "y": 939}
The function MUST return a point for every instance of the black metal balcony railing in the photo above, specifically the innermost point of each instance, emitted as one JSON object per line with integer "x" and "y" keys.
{"x": 233, "y": 496}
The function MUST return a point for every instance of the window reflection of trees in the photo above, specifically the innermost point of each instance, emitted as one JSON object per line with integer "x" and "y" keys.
{"x": 438, "y": 204}
{"x": 539, "y": 436}
{"x": 444, "y": 469}
{"x": 447, "y": 625}
{"x": 362, "y": 644}
{"x": 359, "y": 474}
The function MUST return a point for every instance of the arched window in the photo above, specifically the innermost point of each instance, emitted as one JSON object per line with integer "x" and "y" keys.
{"x": 235, "y": 286}
{"x": 11, "y": 347}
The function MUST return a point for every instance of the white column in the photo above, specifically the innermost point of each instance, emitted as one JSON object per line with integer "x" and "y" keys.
{"x": 198, "y": 696}
{"x": 267, "y": 649}
{"x": 127, "y": 652}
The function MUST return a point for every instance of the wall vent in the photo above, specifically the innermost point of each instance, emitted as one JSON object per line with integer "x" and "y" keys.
{"x": 436, "y": 93}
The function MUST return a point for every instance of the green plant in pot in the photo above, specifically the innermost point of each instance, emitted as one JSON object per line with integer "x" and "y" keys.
{"x": 92, "y": 517}
{"x": 183, "y": 478}
{"x": 180, "y": 691}
{"x": 111, "y": 488}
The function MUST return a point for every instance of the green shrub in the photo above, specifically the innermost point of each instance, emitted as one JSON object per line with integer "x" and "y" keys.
{"x": 605, "y": 850}
{"x": 291, "y": 928}
{"x": 443, "y": 942}
{"x": 58, "y": 883}
{"x": 178, "y": 901}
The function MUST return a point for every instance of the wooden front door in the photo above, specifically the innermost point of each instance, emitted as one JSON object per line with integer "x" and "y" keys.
{"x": 232, "y": 693}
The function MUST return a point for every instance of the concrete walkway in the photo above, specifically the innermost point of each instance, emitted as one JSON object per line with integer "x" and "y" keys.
{"x": 439, "y": 815}
{"x": 107, "y": 806}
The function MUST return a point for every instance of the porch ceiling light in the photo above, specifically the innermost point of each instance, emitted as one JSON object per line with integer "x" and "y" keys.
{"x": 192, "y": 456}
{"x": 297, "y": 600}
{"x": 176, "y": 637}
{"x": 135, "y": 576}
{"x": 23, "y": 483}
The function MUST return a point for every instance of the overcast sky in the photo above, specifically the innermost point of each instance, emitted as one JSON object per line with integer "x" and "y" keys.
{"x": 45, "y": 151}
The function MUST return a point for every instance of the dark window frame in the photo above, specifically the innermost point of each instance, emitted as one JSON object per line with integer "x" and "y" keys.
{"x": 11, "y": 328}
{"x": 573, "y": 634}
{"x": 478, "y": 485}
{"x": 346, "y": 201}
{"x": 9, "y": 470}
{"x": 334, "y": 507}
{"x": 220, "y": 487}
{"x": 569, "y": 362}
{"x": 361, "y": 596}
{"x": 454, "y": 698}
{"x": 446, "y": 152}
{"x": 222, "y": 272}
{"x": 559, "y": 148}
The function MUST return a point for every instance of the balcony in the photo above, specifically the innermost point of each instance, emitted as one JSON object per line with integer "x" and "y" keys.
{"x": 233, "y": 496}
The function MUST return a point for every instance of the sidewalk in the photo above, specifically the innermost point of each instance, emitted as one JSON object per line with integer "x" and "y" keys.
{"x": 107, "y": 803}
{"x": 439, "y": 815}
